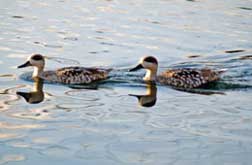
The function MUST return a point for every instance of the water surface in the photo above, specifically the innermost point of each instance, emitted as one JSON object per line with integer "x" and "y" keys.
{"x": 108, "y": 125}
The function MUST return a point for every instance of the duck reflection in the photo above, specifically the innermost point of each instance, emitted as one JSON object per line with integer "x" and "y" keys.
{"x": 149, "y": 99}
{"x": 36, "y": 95}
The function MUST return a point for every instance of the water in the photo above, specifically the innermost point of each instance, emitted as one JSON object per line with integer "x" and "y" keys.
{"x": 107, "y": 124}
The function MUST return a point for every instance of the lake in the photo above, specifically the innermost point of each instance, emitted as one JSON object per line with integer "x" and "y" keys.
{"x": 125, "y": 121}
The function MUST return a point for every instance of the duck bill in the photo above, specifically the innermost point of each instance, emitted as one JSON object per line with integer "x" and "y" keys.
{"x": 139, "y": 66}
{"x": 24, "y": 65}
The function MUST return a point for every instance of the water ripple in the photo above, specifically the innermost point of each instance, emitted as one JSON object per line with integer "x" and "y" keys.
{"x": 7, "y": 158}
{"x": 103, "y": 124}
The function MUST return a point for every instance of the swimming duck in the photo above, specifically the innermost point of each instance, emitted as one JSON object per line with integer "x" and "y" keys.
{"x": 66, "y": 75}
{"x": 179, "y": 78}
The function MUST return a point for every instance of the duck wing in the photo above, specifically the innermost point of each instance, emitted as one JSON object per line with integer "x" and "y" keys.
{"x": 76, "y": 75}
{"x": 188, "y": 78}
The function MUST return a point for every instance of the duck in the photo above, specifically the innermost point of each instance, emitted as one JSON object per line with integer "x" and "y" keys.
{"x": 184, "y": 78}
{"x": 66, "y": 75}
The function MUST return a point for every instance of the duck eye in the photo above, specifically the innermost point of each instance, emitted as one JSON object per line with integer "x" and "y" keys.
{"x": 37, "y": 57}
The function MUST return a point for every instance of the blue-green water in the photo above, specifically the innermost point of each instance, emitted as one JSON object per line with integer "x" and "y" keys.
{"x": 108, "y": 125}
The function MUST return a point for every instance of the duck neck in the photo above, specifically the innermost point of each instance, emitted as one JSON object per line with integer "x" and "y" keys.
{"x": 150, "y": 75}
{"x": 37, "y": 72}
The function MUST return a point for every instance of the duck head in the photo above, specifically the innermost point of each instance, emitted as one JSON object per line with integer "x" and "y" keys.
{"x": 149, "y": 63}
{"x": 37, "y": 61}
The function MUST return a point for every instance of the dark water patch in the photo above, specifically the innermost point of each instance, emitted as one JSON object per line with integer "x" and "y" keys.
{"x": 194, "y": 56}
{"x": 105, "y": 51}
{"x": 17, "y": 17}
{"x": 246, "y": 57}
{"x": 152, "y": 21}
{"x": 118, "y": 45}
{"x": 62, "y": 32}
{"x": 36, "y": 42}
{"x": 71, "y": 38}
{"x": 96, "y": 52}
{"x": 52, "y": 46}
{"x": 234, "y": 51}
{"x": 45, "y": 111}
{"x": 107, "y": 43}
{"x": 155, "y": 22}
{"x": 99, "y": 31}
{"x": 93, "y": 52}
{"x": 245, "y": 8}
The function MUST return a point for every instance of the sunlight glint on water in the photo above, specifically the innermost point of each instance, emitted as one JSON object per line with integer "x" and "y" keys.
{"x": 112, "y": 125}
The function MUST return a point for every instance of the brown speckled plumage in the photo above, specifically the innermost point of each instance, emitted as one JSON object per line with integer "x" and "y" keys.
{"x": 178, "y": 78}
{"x": 75, "y": 75}
{"x": 188, "y": 78}
{"x": 66, "y": 75}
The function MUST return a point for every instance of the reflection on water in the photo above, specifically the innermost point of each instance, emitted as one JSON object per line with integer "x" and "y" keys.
{"x": 36, "y": 95}
{"x": 149, "y": 99}
{"x": 103, "y": 124}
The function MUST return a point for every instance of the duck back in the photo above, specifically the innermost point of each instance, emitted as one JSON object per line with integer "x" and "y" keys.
{"x": 75, "y": 75}
{"x": 188, "y": 78}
